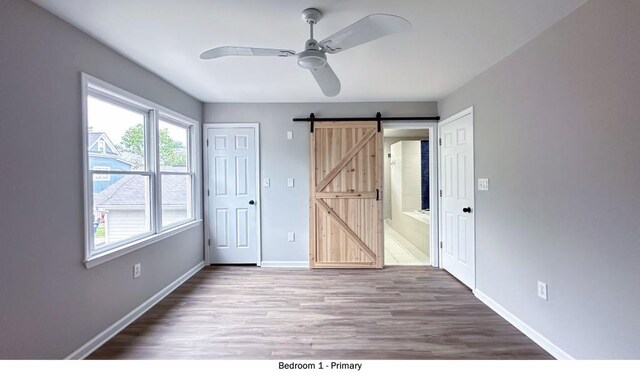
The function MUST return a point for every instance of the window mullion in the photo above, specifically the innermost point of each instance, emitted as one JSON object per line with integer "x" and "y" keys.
{"x": 155, "y": 166}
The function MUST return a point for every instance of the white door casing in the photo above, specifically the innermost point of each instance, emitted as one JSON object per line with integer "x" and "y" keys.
{"x": 457, "y": 209}
{"x": 232, "y": 204}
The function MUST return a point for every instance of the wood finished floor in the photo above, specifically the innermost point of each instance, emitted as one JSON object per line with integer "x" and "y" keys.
{"x": 399, "y": 312}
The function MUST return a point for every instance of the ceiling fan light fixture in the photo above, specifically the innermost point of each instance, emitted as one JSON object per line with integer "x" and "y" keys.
{"x": 314, "y": 56}
{"x": 312, "y": 59}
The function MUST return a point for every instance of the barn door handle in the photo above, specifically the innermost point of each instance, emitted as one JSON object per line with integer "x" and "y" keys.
{"x": 377, "y": 194}
{"x": 251, "y": 202}
{"x": 467, "y": 210}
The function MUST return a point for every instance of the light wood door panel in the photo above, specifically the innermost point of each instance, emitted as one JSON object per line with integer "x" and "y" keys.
{"x": 345, "y": 208}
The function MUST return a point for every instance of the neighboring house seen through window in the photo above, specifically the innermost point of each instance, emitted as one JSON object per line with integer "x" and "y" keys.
{"x": 101, "y": 176}
{"x": 140, "y": 172}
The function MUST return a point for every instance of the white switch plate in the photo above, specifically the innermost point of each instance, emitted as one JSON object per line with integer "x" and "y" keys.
{"x": 289, "y": 134}
{"x": 290, "y": 182}
{"x": 137, "y": 270}
{"x": 542, "y": 290}
{"x": 266, "y": 182}
{"x": 483, "y": 184}
{"x": 291, "y": 236}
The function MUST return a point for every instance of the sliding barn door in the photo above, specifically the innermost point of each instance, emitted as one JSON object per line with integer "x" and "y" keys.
{"x": 346, "y": 195}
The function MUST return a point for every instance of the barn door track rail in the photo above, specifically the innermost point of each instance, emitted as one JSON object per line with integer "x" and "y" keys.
{"x": 312, "y": 119}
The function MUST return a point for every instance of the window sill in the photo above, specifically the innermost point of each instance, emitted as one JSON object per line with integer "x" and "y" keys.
{"x": 131, "y": 247}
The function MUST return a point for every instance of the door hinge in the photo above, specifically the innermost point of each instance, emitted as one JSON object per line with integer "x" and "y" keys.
{"x": 207, "y": 143}
{"x": 208, "y": 193}
{"x": 377, "y": 194}
{"x": 209, "y": 242}
{"x": 441, "y": 244}
{"x": 440, "y": 141}
{"x": 441, "y": 193}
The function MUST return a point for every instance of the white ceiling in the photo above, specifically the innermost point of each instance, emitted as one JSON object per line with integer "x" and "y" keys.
{"x": 452, "y": 41}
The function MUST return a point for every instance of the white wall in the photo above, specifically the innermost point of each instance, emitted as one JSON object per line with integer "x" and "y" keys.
{"x": 411, "y": 176}
{"x": 50, "y": 303}
{"x": 406, "y": 195}
{"x": 287, "y": 209}
{"x": 557, "y": 132}
{"x": 386, "y": 144}
{"x": 396, "y": 183}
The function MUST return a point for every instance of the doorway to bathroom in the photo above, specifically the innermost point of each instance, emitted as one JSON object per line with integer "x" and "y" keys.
{"x": 408, "y": 194}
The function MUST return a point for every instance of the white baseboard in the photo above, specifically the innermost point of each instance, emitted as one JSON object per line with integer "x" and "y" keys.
{"x": 302, "y": 264}
{"x": 534, "y": 335}
{"x": 121, "y": 324}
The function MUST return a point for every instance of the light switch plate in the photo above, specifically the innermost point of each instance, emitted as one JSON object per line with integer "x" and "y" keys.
{"x": 266, "y": 182}
{"x": 290, "y": 134}
{"x": 291, "y": 236}
{"x": 483, "y": 184}
{"x": 290, "y": 182}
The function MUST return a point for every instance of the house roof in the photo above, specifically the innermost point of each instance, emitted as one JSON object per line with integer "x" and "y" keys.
{"x": 131, "y": 190}
{"x": 125, "y": 156}
{"x": 93, "y": 138}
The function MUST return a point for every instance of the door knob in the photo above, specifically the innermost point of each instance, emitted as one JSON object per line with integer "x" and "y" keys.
{"x": 251, "y": 202}
{"x": 467, "y": 210}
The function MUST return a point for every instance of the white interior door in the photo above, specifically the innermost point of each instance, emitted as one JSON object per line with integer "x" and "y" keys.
{"x": 232, "y": 198}
{"x": 457, "y": 224}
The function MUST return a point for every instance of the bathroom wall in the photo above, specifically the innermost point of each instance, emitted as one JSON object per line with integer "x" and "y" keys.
{"x": 396, "y": 185}
{"x": 411, "y": 178}
{"x": 405, "y": 195}
{"x": 388, "y": 141}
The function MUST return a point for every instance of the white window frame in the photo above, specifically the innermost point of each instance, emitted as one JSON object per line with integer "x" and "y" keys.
{"x": 190, "y": 128}
{"x": 102, "y": 146}
{"x": 101, "y": 176}
{"x": 95, "y": 87}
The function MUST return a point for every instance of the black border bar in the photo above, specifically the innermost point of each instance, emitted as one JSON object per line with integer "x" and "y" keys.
{"x": 378, "y": 118}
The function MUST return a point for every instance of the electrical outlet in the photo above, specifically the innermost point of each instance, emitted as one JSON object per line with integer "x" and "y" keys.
{"x": 137, "y": 270}
{"x": 291, "y": 236}
{"x": 289, "y": 134}
{"x": 266, "y": 182}
{"x": 542, "y": 290}
{"x": 290, "y": 182}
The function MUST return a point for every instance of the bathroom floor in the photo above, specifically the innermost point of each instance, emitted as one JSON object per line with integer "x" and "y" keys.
{"x": 399, "y": 251}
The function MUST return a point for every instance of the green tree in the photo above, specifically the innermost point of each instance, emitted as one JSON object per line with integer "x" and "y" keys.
{"x": 133, "y": 140}
{"x": 172, "y": 153}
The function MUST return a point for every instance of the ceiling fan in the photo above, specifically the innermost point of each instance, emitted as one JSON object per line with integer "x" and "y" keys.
{"x": 314, "y": 56}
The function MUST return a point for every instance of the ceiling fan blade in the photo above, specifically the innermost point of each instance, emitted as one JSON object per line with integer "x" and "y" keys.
{"x": 327, "y": 80}
{"x": 244, "y": 51}
{"x": 367, "y": 29}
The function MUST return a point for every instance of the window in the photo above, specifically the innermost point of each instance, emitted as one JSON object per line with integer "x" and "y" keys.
{"x": 140, "y": 171}
{"x": 176, "y": 173}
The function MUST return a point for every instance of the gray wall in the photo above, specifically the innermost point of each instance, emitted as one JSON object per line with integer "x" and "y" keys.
{"x": 557, "y": 131}
{"x": 287, "y": 209}
{"x": 50, "y": 303}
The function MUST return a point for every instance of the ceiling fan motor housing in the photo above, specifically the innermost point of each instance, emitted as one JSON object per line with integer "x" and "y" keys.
{"x": 312, "y": 57}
